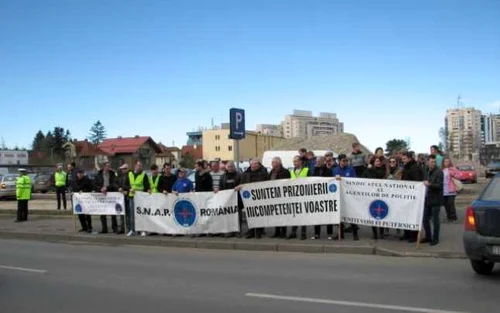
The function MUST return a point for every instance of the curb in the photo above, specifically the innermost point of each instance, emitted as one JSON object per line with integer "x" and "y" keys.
{"x": 160, "y": 241}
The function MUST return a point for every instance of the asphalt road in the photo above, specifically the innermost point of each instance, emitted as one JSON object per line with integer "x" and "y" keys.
{"x": 45, "y": 277}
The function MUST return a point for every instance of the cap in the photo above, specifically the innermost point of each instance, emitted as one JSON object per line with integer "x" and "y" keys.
{"x": 22, "y": 170}
{"x": 182, "y": 169}
{"x": 124, "y": 167}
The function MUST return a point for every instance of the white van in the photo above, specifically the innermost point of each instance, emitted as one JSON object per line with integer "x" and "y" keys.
{"x": 287, "y": 157}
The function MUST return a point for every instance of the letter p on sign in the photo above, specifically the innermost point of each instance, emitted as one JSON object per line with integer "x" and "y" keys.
{"x": 237, "y": 124}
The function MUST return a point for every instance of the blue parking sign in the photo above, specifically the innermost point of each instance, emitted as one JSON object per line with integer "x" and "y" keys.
{"x": 237, "y": 124}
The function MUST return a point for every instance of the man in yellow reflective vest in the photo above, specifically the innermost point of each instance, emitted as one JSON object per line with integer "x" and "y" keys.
{"x": 155, "y": 181}
{"x": 23, "y": 195}
{"x": 60, "y": 180}
{"x": 137, "y": 181}
{"x": 299, "y": 171}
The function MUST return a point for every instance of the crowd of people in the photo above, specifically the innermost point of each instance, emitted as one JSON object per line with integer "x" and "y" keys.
{"x": 436, "y": 171}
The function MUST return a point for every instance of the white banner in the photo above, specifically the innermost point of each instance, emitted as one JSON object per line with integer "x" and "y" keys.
{"x": 97, "y": 203}
{"x": 383, "y": 203}
{"x": 188, "y": 213}
{"x": 292, "y": 202}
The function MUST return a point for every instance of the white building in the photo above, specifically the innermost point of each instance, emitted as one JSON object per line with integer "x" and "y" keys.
{"x": 270, "y": 130}
{"x": 490, "y": 127}
{"x": 304, "y": 125}
{"x": 464, "y": 132}
{"x": 13, "y": 157}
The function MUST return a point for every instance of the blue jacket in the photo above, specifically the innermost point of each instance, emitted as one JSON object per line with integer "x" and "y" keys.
{"x": 347, "y": 171}
{"x": 183, "y": 185}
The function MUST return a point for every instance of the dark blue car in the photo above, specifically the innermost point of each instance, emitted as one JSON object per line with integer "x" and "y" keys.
{"x": 482, "y": 229}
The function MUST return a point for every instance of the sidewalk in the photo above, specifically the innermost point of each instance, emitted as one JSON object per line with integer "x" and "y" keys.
{"x": 63, "y": 230}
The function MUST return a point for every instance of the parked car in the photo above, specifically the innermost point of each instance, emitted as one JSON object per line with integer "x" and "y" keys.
{"x": 492, "y": 168}
{"x": 482, "y": 229}
{"x": 43, "y": 183}
{"x": 8, "y": 185}
{"x": 467, "y": 173}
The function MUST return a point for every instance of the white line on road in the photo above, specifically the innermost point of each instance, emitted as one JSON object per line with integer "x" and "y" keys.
{"x": 22, "y": 269}
{"x": 350, "y": 303}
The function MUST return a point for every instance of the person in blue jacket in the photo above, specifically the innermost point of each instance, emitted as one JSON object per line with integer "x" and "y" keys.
{"x": 344, "y": 170}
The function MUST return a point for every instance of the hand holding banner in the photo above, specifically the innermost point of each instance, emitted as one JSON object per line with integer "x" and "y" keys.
{"x": 96, "y": 203}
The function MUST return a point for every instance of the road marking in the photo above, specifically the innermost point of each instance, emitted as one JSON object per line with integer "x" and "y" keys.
{"x": 350, "y": 303}
{"x": 22, "y": 269}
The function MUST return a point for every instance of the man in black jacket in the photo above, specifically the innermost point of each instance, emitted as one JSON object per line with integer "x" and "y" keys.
{"x": 255, "y": 173}
{"x": 83, "y": 184}
{"x": 279, "y": 172}
{"x": 433, "y": 201}
{"x": 202, "y": 177}
{"x": 411, "y": 172}
{"x": 167, "y": 180}
{"x": 105, "y": 181}
{"x": 321, "y": 170}
{"x": 229, "y": 180}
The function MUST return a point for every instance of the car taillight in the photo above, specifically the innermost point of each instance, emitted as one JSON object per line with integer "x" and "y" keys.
{"x": 3, "y": 186}
{"x": 470, "y": 220}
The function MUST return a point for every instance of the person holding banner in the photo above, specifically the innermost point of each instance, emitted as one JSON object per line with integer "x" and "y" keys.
{"x": 202, "y": 177}
{"x": 229, "y": 180}
{"x": 278, "y": 172}
{"x": 411, "y": 172}
{"x": 83, "y": 184}
{"x": 255, "y": 173}
{"x": 154, "y": 180}
{"x": 376, "y": 170}
{"x": 167, "y": 180}
{"x": 106, "y": 182}
{"x": 433, "y": 201}
{"x": 299, "y": 171}
{"x": 137, "y": 181}
{"x": 344, "y": 170}
{"x": 182, "y": 184}
{"x": 322, "y": 170}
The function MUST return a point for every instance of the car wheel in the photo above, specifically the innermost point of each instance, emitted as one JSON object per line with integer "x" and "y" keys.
{"x": 482, "y": 267}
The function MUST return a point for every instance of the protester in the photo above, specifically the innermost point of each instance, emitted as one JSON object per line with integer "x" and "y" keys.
{"x": 202, "y": 177}
{"x": 439, "y": 157}
{"x": 344, "y": 170}
{"x": 379, "y": 152}
{"x": 377, "y": 170}
{"x": 106, "y": 182}
{"x": 330, "y": 163}
{"x": 310, "y": 162}
{"x": 137, "y": 181}
{"x": 216, "y": 174}
{"x": 229, "y": 180}
{"x": 182, "y": 184}
{"x": 393, "y": 170}
{"x": 322, "y": 170}
{"x": 449, "y": 189}
{"x": 299, "y": 171}
{"x": 411, "y": 172}
{"x": 303, "y": 154}
{"x": 255, "y": 173}
{"x": 167, "y": 180}
{"x": 60, "y": 180}
{"x": 433, "y": 201}
{"x": 23, "y": 195}
{"x": 123, "y": 185}
{"x": 71, "y": 167}
{"x": 357, "y": 159}
{"x": 278, "y": 172}
{"x": 83, "y": 184}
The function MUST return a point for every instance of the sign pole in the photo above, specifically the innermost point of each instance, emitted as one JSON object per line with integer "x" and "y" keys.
{"x": 237, "y": 154}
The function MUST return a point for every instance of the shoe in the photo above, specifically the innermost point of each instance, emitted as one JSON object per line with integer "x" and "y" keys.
{"x": 412, "y": 240}
{"x": 230, "y": 235}
{"x": 291, "y": 236}
{"x": 17, "y": 221}
{"x": 82, "y": 230}
{"x": 276, "y": 236}
{"x": 258, "y": 236}
{"x": 313, "y": 238}
{"x": 131, "y": 233}
{"x": 103, "y": 232}
{"x": 250, "y": 236}
{"x": 425, "y": 240}
{"x": 375, "y": 237}
{"x": 303, "y": 237}
{"x": 355, "y": 236}
{"x": 330, "y": 238}
{"x": 434, "y": 242}
{"x": 89, "y": 230}
{"x": 143, "y": 234}
{"x": 120, "y": 232}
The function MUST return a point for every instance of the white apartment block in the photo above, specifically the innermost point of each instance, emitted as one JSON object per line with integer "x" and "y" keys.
{"x": 490, "y": 127}
{"x": 463, "y": 127}
{"x": 303, "y": 124}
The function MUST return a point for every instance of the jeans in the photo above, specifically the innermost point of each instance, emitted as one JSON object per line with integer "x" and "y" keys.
{"x": 432, "y": 213}
{"x": 449, "y": 205}
{"x": 61, "y": 193}
{"x": 130, "y": 214}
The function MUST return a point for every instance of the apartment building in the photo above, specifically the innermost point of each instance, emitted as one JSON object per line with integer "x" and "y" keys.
{"x": 463, "y": 127}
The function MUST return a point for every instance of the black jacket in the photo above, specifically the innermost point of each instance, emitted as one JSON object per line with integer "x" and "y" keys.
{"x": 281, "y": 174}
{"x": 413, "y": 172}
{"x": 375, "y": 173}
{"x": 203, "y": 181}
{"x": 82, "y": 185}
{"x": 229, "y": 180}
{"x": 322, "y": 171}
{"x": 434, "y": 195}
{"x": 122, "y": 181}
{"x": 254, "y": 176}
{"x": 99, "y": 181}
{"x": 166, "y": 183}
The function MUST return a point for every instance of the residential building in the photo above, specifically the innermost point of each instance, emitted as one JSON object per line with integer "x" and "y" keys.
{"x": 196, "y": 152}
{"x": 463, "y": 127}
{"x": 271, "y": 130}
{"x": 165, "y": 156}
{"x": 489, "y": 152}
{"x": 85, "y": 154}
{"x": 304, "y": 125}
{"x": 490, "y": 128}
{"x": 195, "y": 138}
{"x": 216, "y": 144}
{"x": 13, "y": 157}
{"x": 124, "y": 150}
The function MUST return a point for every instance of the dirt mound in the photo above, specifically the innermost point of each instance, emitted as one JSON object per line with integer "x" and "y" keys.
{"x": 339, "y": 143}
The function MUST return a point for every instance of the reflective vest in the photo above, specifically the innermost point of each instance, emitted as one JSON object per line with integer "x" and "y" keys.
{"x": 154, "y": 184}
{"x": 23, "y": 188}
{"x": 60, "y": 178}
{"x": 303, "y": 173}
{"x": 136, "y": 183}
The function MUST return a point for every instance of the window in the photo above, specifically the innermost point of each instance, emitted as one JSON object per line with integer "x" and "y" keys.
{"x": 217, "y": 148}
{"x": 217, "y": 137}
{"x": 229, "y": 148}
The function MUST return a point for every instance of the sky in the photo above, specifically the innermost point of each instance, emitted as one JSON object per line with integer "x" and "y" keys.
{"x": 387, "y": 68}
